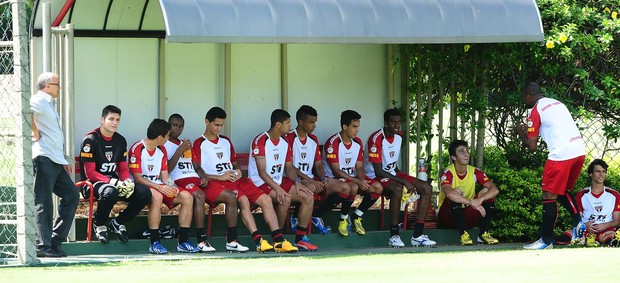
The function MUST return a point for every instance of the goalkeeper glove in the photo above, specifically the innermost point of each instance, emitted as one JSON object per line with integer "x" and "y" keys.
{"x": 125, "y": 188}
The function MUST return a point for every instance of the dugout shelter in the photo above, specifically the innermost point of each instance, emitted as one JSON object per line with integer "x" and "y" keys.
{"x": 154, "y": 58}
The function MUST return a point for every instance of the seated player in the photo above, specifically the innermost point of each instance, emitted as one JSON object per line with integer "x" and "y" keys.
{"x": 148, "y": 162}
{"x": 103, "y": 161}
{"x": 599, "y": 207}
{"x": 344, "y": 159}
{"x": 306, "y": 159}
{"x": 216, "y": 158}
{"x": 382, "y": 165}
{"x": 459, "y": 205}
{"x": 270, "y": 156}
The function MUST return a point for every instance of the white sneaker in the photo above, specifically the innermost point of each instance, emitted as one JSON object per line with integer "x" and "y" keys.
{"x": 538, "y": 245}
{"x": 205, "y": 247}
{"x": 234, "y": 246}
{"x": 396, "y": 242}
{"x": 423, "y": 241}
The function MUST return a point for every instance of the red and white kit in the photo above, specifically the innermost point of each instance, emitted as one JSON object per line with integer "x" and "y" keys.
{"x": 184, "y": 167}
{"x": 148, "y": 163}
{"x": 345, "y": 155}
{"x": 383, "y": 150}
{"x": 305, "y": 152}
{"x": 276, "y": 155}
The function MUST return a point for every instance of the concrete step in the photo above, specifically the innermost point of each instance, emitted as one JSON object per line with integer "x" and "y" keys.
{"x": 333, "y": 241}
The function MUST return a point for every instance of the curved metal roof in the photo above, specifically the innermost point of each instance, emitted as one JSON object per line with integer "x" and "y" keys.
{"x": 307, "y": 21}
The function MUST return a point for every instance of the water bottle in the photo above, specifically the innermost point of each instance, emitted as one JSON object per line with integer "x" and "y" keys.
{"x": 422, "y": 170}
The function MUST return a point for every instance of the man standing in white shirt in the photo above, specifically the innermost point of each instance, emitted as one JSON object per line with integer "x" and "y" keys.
{"x": 51, "y": 170}
{"x": 551, "y": 120}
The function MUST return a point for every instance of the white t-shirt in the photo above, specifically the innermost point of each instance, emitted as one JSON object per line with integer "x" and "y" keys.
{"x": 551, "y": 120}
{"x": 184, "y": 167}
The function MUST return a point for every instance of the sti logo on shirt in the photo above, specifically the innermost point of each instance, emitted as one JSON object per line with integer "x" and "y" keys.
{"x": 348, "y": 170}
{"x": 108, "y": 167}
{"x": 304, "y": 166}
{"x": 276, "y": 169}
{"x": 223, "y": 166}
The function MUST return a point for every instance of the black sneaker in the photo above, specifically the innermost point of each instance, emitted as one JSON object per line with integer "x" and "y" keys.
{"x": 58, "y": 249}
{"x": 119, "y": 230}
{"x": 101, "y": 232}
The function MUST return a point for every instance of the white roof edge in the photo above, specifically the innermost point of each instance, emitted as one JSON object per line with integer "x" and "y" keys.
{"x": 352, "y": 21}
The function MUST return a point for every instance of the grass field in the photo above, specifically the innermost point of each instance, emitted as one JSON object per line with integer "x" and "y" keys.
{"x": 559, "y": 265}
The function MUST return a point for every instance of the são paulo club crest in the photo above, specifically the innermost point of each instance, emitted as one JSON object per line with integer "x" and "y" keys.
{"x": 598, "y": 208}
{"x": 347, "y": 160}
{"x": 276, "y": 156}
{"x": 150, "y": 167}
{"x": 220, "y": 155}
{"x": 303, "y": 155}
{"x": 108, "y": 155}
{"x": 391, "y": 154}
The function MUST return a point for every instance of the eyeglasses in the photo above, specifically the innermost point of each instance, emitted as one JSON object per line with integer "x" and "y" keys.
{"x": 54, "y": 84}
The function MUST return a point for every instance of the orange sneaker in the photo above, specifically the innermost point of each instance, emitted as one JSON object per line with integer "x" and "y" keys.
{"x": 305, "y": 246}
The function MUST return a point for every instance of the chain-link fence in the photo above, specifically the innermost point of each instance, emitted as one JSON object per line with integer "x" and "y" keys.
{"x": 15, "y": 175}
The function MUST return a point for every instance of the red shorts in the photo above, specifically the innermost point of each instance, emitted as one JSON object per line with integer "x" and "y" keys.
{"x": 286, "y": 185}
{"x": 559, "y": 177}
{"x": 445, "y": 219}
{"x": 190, "y": 184}
{"x": 215, "y": 188}
{"x": 242, "y": 187}
{"x": 387, "y": 181}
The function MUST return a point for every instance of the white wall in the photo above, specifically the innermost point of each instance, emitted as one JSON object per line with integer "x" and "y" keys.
{"x": 122, "y": 72}
{"x": 255, "y": 91}
{"x": 336, "y": 77}
{"x": 193, "y": 83}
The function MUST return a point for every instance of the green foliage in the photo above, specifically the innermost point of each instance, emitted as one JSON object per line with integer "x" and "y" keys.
{"x": 577, "y": 64}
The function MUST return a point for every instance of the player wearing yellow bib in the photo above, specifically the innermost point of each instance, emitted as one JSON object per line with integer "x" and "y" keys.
{"x": 459, "y": 205}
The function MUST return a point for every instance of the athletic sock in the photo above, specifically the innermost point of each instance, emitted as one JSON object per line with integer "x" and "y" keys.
{"x": 485, "y": 222}
{"x": 393, "y": 230}
{"x": 328, "y": 204}
{"x": 550, "y": 214}
{"x": 277, "y": 235}
{"x": 346, "y": 204}
{"x": 231, "y": 235}
{"x": 301, "y": 231}
{"x": 368, "y": 200}
{"x": 418, "y": 228}
{"x": 154, "y": 235}
{"x": 256, "y": 237}
{"x": 183, "y": 234}
{"x": 459, "y": 218}
{"x": 201, "y": 236}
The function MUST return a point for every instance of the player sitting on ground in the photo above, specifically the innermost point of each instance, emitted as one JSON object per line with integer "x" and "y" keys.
{"x": 599, "y": 207}
{"x": 218, "y": 160}
{"x": 459, "y": 205}
{"x": 344, "y": 159}
{"x": 270, "y": 156}
{"x": 148, "y": 163}
{"x": 306, "y": 158}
